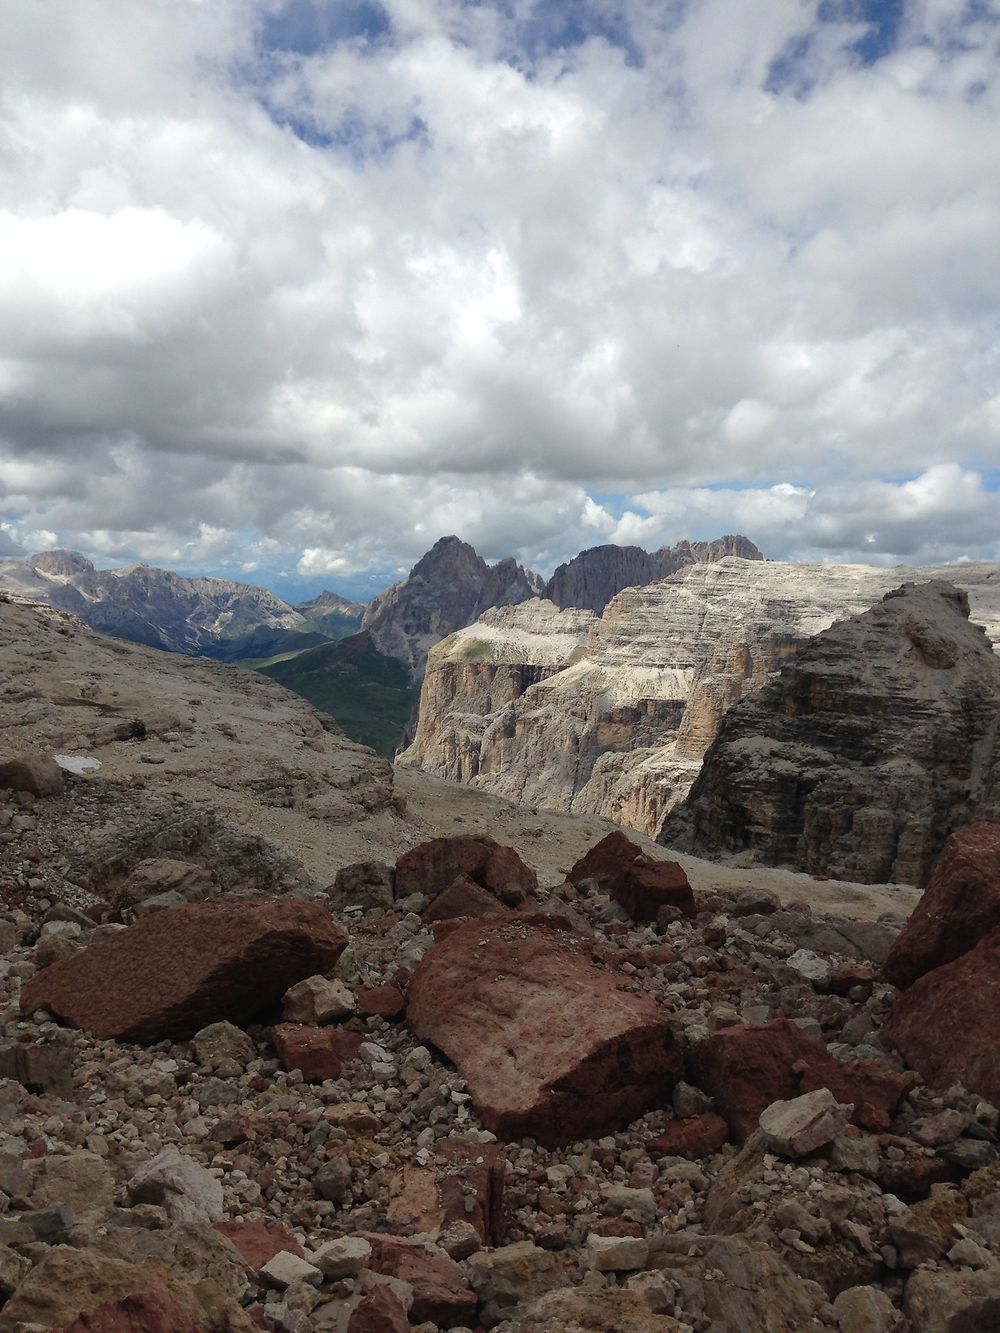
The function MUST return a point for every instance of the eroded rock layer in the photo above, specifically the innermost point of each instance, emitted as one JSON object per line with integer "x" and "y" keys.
{"x": 865, "y": 752}
{"x": 612, "y": 715}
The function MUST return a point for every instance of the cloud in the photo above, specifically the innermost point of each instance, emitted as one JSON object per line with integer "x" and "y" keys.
{"x": 291, "y": 285}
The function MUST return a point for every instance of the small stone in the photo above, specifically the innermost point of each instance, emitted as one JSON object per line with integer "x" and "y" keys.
{"x": 344, "y": 1257}
{"x": 286, "y": 1268}
{"x": 178, "y": 1184}
{"x": 799, "y": 1126}
{"x": 318, "y": 1000}
{"x": 866, "y": 1310}
{"x": 811, "y": 967}
{"x": 333, "y": 1179}
{"x": 222, "y": 1044}
{"x": 616, "y": 1254}
{"x": 935, "y": 1130}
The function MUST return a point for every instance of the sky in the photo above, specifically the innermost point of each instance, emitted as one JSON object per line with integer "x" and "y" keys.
{"x": 291, "y": 288}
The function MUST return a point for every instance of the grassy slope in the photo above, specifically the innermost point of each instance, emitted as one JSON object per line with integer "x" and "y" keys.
{"x": 370, "y": 695}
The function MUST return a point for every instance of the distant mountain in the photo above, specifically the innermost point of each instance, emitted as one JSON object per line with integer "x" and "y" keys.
{"x": 201, "y": 617}
{"x": 447, "y": 589}
{"x": 332, "y": 616}
{"x": 370, "y": 694}
{"x": 592, "y": 578}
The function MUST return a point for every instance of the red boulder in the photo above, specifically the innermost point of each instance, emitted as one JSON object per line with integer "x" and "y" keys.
{"x": 749, "y": 1066}
{"x": 433, "y": 866}
{"x": 320, "y": 1053}
{"x": 639, "y": 883}
{"x": 947, "y": 1024}
{"x": 960, "y": 906}
{"x": 550, "y": 1044}
{"x": 176, "y": 971}
{"x": 259, "y": 1242}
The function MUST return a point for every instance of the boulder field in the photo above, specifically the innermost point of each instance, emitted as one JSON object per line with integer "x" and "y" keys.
{"x": 436, "y": 1095}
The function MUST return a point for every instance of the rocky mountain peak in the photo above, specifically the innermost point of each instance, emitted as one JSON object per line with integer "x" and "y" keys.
{"x": 865, "y": 752}
{"x": 60, "y": 563}
{"x": 447, "y": 589}
{"x": 593, "y": 577}
{"x": 452, "y": 559}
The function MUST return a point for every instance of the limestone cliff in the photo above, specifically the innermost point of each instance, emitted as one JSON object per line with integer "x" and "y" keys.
{"x": 865, "y": 752}
{"x": 447, "y": 588}
{"x": 612, "y": 714}
{"x": 593, "y": 577}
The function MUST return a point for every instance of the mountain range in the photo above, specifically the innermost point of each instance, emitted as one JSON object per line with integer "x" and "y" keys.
{"x": 204, "y": 617}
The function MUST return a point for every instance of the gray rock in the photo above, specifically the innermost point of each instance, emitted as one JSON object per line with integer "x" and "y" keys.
{"x": 285, "y": 1269}
{"x": 801, "y": 1125}
{"x": 344, "y": 1257}
{"x": 616, "y": 1254}
{"x": 937, "y": 1301}
{"x": 178, "y": 1184}
{"x": 13, "y": 1267}
{"x": 512, "y": 1275}
{"x": 223, "y": 1046}
{"x": 866, "y": 1310}
{"x": 365, "y": 884}
{"x": 318, "y": 1000}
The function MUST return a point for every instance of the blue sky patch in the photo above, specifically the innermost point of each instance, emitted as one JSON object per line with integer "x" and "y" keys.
{"x": 304, "y": 27}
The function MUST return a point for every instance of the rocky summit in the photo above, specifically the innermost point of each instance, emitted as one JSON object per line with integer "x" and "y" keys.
{"x": 447, "y": 588}
{"x": 294, "y": 1041}
{"x": 865, "y": 752}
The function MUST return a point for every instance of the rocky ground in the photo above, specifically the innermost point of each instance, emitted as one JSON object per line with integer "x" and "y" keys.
{"x": 666, "y": 1103}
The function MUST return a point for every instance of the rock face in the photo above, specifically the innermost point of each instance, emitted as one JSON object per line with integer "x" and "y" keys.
{"x": 447, "y": 588}
{"x": 612, "y": 714}
{"x": 147, "y": 605}
{"x": 549, "y": 1044}
{"x": 947, "y": 1024}
{"x": 865, "y": 752}
{"x": 960, "y": 906}
{"x": 592, "y": 578}
{"x": 176, "y": 971}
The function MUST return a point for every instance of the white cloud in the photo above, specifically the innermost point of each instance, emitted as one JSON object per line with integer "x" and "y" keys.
{"x": 266, "y": 309}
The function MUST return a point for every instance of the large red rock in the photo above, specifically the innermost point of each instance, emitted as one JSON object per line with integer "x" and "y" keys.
{"x": 549, "y": 1043}
{"x": 947, "y": 1024}
{"x": 640, "y": 883}
{"x": 433, "y": 866}
{"x": 178, "y": 970}
{"x": 318, "y": 1053}
{"x": 960, "y": 906}
{"x": 440, "y": 1291}
{"x": 749, "y": 1066}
